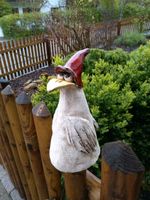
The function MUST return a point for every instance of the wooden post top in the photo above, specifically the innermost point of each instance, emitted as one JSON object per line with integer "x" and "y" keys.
{"x": 41, "y": 110}
{"x": 23, "y": 98}
{"x": 120, "y": 156}
{"x": 7, "y": 91}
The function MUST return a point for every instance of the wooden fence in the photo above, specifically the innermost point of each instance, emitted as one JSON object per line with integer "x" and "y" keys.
{"x": 25, "y": 134}
{"x": 26, "y": 55}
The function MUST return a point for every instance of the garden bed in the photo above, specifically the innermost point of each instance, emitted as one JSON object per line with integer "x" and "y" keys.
{"x": 18, "y": 83}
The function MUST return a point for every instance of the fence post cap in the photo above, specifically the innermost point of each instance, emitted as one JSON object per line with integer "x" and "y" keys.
{"x": 7, "y": 91}
{"x": 23, "y": 98}
{"x": 41, "y": 110}
{"x": 120, "y": 156}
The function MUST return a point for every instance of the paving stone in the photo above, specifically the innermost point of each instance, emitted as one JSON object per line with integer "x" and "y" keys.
{"x": 7, "y": 183}
{"x": 2, "y": 172}
{"x": 5, "y": 197}
{"x": 15, "y": 195}
{"x": 2, "y": 190}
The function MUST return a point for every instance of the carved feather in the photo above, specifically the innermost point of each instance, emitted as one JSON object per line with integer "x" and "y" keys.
{"x": 80, "y": 133}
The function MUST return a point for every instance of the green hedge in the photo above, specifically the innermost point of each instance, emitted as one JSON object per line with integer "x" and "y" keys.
{"x": 117, "y": 87}
{"x": 19, "y": 26}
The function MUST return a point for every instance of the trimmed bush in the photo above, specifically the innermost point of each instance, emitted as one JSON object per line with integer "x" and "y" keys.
{"x": 117, "y": 87}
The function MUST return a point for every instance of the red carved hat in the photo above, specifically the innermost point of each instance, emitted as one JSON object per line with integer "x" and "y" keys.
{"x": 74, "y": 66}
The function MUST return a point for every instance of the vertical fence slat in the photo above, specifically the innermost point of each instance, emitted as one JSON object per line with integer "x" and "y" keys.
{"x": 1, "y": 68}
{"x": 7, "y": 57}
{"x": 43, "y": 121}
{"x": 12, "y": 144}
{"x": 16, "y": 60}
{"x": 3, "y": 59}
{"x": 11, "y": 58}
{"x": 35, "y": 52}
{"x": 32, "y": 56}
{"x": 10, "y": 106}
{"x": 24, "y": 108}
{"x": 38, "y": 51}
{"x": 122, "y": 172}
{"x": 49, "y": 52}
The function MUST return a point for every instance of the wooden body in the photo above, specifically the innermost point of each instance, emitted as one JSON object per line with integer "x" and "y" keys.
{"x": 43, "y": 121}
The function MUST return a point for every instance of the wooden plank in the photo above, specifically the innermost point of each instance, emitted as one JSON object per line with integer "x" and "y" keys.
{"x": 35, "y": 53}
{"x": 42, "y": 118}
{"x": 75, "y": 185}
{"x": 10, "y": 106}
{"x": 39, "y": 55}
{"x": 15, "y": 58}
{"x": 29, "y": 53}
{"x": 11, "y": 57}
{"x": 8, "y": 62}
{"x": 122, "y": 172}
{"x": 12, "y": 144}
{"x": 4, "y": 62}
{"x": 1, "y": 68}
{"x": 24, "y": 50}
{"x": 24, "y": 108}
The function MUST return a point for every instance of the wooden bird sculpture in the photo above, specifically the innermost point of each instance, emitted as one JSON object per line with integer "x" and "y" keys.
{"x": 74, "y": 146}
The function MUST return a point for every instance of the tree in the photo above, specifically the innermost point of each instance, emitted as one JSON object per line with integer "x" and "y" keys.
{"x": 73, "y": 23}
{"x": 5, "y": 8}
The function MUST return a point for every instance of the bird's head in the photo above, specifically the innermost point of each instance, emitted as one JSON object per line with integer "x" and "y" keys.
{"x": 70, "y": 73}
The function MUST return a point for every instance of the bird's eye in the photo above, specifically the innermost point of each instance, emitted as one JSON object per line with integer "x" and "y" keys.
{"x": 60, "y": 76}
{"x": 68, "y": 77}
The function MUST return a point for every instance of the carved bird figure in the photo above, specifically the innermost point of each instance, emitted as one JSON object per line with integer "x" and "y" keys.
{"x": 74, "y": 146}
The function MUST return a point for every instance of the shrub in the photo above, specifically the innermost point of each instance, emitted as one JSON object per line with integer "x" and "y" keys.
{"x": 18, "y": 26}
{"x": 130, "y": 39}
{"x": 118, "y": 92}
{"x": 5, "y": 8}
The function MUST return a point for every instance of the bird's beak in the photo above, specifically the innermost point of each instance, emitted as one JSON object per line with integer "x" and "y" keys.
{"x": 57, "y": 84}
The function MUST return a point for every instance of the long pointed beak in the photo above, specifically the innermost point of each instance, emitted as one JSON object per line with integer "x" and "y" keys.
{"x": 57, "y": 84}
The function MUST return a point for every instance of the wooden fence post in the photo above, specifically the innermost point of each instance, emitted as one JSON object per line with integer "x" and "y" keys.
{"x": 24, "y": 108}
{"x": 46, "y": 40}
{"x": 12, "y": 171}
{"x": 12, "y": 144}
{"x": 43, "y": 121}
{"x": 10, "y": 106}
{"x": 75, "y": 186}
{"x": 122, "y": 172}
